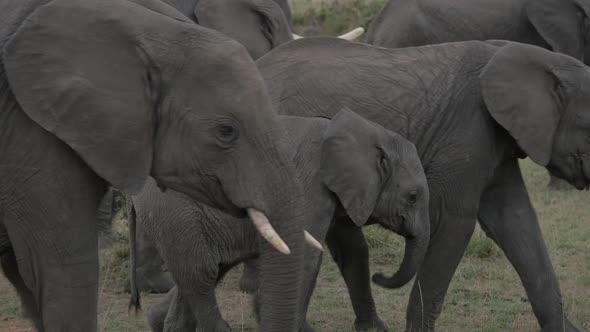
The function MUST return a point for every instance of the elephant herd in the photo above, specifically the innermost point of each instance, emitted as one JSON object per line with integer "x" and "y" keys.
{"x": 237, "y": 141}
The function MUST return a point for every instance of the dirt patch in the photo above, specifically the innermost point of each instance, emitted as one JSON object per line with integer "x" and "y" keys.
{"x": 11, "y": 319}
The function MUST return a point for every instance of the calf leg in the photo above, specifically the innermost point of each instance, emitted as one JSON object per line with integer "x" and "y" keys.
{"x": 157, "y": 313}
{"x": 349, "y": 249}
{"x": 179, "y": 317}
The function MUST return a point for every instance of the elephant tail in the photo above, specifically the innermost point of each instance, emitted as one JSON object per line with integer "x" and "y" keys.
{"x": 134, "y": 301}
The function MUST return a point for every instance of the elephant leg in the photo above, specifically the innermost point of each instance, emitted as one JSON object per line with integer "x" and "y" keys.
{"x": 350, "y": 251}
{"x": 51, "y": 223}
{"x": 179, "y": 317}
{"x": 507, "y": 217}
{"x": 447, "y": 245}
{"x": 196, "y": 288}
{"x": 156, "y": 314}
{"x": 58, "y": 262}
{"x": 249, "y": 279}
{"x": 10, "y": 268}
{"x": 204, "y": 306}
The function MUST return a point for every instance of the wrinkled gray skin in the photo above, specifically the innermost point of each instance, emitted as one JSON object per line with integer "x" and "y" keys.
{"x": 98, "y": 93}
{"x": 259, "y": 25}
{"x": 349, "y": 167}
{"x": 559, "y": 25}
{"x": 472, "y": 109}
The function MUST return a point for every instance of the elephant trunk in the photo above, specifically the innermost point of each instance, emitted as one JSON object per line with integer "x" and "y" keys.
{"x": 280, "y": 274}
{"x": 415, "y": 251}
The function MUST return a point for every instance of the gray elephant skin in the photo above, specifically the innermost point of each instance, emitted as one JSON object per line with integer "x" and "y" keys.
{"x": 98, "y": 93}
{"x": 472, "y": 109}
{"x": 350, "y": 168}
{"x": 259, "y": 25}
{"x": 559, "y": 25}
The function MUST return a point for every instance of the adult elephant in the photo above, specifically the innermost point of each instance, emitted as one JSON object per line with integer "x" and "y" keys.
{"x": 259, "y": 25}
{"x": 558, "y": 25}
{"x": 348, "y": 166}
{"x": 472, "y": 109}
{"x": 105, "y": 92}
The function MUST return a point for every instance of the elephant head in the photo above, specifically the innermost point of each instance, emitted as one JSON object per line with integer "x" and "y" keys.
{"x": 377, "y": 174}
{"x": 259, "y": 25}
{"x": 563, "y": 25}
{"x": 135, "y": 90}
{"x": 542, "y": 99}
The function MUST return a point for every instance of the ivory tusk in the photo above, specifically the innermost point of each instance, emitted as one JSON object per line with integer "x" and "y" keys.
{"x": 353, "y": 34}
{"x": 312, "y": 242}
{"x": 267, "y": 231}
{"x": 296, "y": 36}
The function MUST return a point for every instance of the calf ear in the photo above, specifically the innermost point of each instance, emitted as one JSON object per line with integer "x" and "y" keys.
{"x": 76, "y": 69}
{"x": 525, "y": 89}
{"x": 560, "y": 23}
{"x": 349, "y": 164}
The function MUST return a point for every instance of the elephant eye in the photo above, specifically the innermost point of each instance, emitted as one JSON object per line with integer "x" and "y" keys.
{"x": 227, "y": 133}
{"x": 412, "y": 197}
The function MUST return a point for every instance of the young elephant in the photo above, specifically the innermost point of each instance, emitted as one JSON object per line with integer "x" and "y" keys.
{"x": 559, "y": 25}
{"x": 349, "y": 166}
{"x": 472, "y": 109}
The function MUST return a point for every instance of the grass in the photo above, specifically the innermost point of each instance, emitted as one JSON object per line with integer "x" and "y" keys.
{"x": 485, "y": 294}
{"x": 332, "y": 17}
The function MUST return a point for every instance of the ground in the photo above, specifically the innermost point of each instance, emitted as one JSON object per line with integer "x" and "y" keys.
{"x": 485, "y": 295}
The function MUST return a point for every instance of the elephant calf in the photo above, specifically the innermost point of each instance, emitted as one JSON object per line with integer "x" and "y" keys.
{"x": 348, "y": 166}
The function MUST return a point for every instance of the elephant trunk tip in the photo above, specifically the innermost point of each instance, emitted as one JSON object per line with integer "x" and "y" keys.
{"x": 415, "y": 251}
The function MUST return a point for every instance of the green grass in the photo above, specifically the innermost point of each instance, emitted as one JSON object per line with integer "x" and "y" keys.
{"x": 313, "y": 17}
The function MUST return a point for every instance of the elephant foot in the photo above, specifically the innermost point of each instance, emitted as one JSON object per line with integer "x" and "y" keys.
{"x": 559, "y": 184}
{"x": 158, "y": 284}
{"x": 248, "y": 283}
{"x": 569, "y": 327}
{"x": 373, "y": 324}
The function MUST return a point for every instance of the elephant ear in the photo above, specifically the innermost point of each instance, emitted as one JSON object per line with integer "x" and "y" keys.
{"x": 560, "y": 23}
{"x": 348, "y": 164}
{"x": 284, "y": 5}
{"x": 524, "y": 88}
{"x": 274, "y": 23}
{"x": 76, "y": 72}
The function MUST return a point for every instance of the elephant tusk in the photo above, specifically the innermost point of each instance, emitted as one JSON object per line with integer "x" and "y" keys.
{"x": 353, "y": 34}
{"x": 312, "y": 242}
{"x": 267, "y": 231}
{"x": 350, "y": 36}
